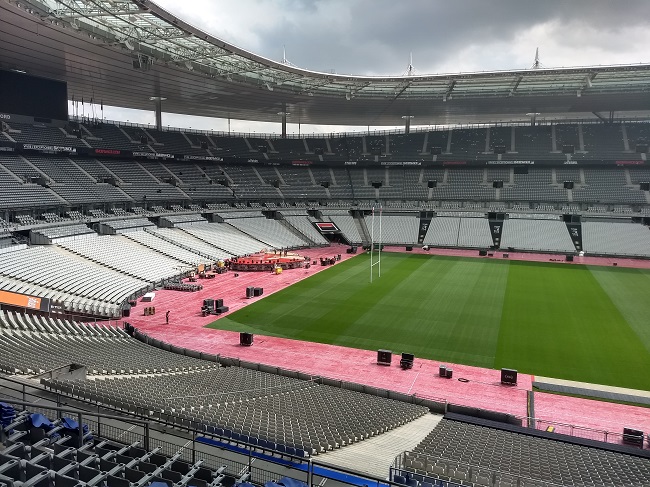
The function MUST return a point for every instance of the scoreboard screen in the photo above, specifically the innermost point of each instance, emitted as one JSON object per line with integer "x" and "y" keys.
{"x": 327, "y": 227}
{"x": 31, "y": 96}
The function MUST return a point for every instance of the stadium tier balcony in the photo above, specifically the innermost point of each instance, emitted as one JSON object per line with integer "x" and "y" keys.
{"x": 567, "y": 135}
{"x": 75, "y": 215}
{"x": 230, "y": 147}
{"x": 531, "y": 142}
{"x": 26, "y": 220}
{"x": 121, "y": 212}
{"x": 604, "y": 140}
{"x": 637, "y": 133}
{"x": 292, "y": 149}
{"x": 108, "y": 136}
{"x": 248, "y": 184}
{"x": 500, "y": 139}
{"x": 141, "y": 185}
{"x": 175, "y": 143}
{"x": 16, "y": 194}
{"x": 42, "y": 134}
{"x": 74, "y": 183}
{"x": 407, "y": 147}
{"x": 468, "y": 143}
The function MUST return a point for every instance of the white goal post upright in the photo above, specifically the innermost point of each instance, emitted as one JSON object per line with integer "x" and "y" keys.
{"x": 374, "y": 263}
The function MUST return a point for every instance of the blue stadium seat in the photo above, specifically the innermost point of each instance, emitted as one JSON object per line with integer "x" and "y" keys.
{"x": 398, "y": 479}
{"x": 289, "y": 482}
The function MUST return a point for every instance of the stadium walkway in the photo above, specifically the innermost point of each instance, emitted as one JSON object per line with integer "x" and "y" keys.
{"x": 478, "y": 388}
{"x": 377, "y": 454}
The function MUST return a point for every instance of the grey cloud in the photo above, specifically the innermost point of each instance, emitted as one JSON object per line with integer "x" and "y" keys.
{"x": 376, "y": 36}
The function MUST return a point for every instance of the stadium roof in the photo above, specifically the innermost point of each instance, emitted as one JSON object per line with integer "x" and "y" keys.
{"x": 125, "y": 52}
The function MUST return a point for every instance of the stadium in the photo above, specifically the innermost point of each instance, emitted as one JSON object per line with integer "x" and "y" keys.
{"x": 458, "y": 304}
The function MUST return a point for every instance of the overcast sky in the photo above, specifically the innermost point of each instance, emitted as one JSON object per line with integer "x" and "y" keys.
{"x": 377, "y": 37}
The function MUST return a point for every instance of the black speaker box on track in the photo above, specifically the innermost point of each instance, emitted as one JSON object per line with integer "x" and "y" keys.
{"x": 218, "y": 303}
{"x": 126, "y": 312}
{"x": 245, "y": 339}
{"x": 509, "y": 377}
{"x": 249, "y": 292}
{"x": 482, "y": 253}
{"x": 221, "y": 309}
{"x": 407, "y": 360}
{"x": 258, "y": 291}
{"x": 409, "y": 248}
{"x": 442, "y": 371}
{"x": 569, "y": 258}
{"x": 384, "y": 357}
{"x": 632, "y": 436}
{"x": 208, "y": 303}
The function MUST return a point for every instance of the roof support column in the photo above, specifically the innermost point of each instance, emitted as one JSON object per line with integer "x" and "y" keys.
{"x": 533, "y": 118}
{"x": 407, "y": 123}
{"x": 284, "y": 114}
{"x": 157, "y": 100}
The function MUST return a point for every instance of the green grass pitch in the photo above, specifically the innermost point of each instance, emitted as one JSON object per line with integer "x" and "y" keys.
{"x": 576, "y": 322}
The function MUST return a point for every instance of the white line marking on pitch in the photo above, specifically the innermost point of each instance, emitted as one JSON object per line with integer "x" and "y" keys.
{"x": 413, "y": 383}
